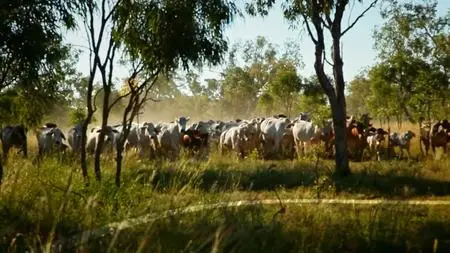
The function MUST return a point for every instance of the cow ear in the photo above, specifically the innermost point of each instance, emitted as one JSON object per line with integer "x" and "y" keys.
{"x": 188, "y": 118}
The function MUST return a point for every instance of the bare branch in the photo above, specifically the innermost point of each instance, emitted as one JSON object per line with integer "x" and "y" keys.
{"x": 308, "y": 28}
{"x": 428, "y": 33}
{"x": 118, "y": 99}
{"x": 359, "y": 17}
{"x": 153, "y": 100}
{"x": 325, "y": 58}
{"x": 325, "y": 23}
{"x": 329, "y": 21}
{"x": 113, "y": 9}
{"x": 95, "y": 98}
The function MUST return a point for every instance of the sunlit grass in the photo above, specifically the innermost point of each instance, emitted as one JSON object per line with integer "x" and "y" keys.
{"x": 46, "y": 202}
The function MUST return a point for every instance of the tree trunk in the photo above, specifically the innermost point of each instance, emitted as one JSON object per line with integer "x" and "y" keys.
{"x": 339, "y": 107}
{"x": 1, "y": 172}
{"x": 119, "y": 158}
{"x": 127, "y": 121}
{"x": 83, "y": 157}
{"x": 340, "y": 131}
{"x": 101, "y": 138}
{"x": 84, "y": 125}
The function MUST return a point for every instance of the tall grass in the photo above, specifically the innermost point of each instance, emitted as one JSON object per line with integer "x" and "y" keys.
{"x": 46, "y": 202}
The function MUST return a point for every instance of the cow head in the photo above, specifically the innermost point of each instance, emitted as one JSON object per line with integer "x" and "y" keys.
{"x": 57, "y": 136}
{"x": 110, "y": 133}
{"x": 201, "y": 127}
{"x": 327, "y": 129}
{"x": 242, "y": 133}
{"x": 409, "y": 135}
{"x": 150, "y": 130}
{"x": 182, "y": 122}
{"x": 445, "y": 124}
{"x": 76, "y": 132}
{"x": 305, "y": 116}
{"x": 379, "y": 137}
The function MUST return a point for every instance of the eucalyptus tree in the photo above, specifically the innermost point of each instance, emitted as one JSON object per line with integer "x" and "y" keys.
{"x": 33, "y": 57}
{"x": 321, "y": 18}
{"x": 414, "y": 48}
{"x": 155, "y": 37}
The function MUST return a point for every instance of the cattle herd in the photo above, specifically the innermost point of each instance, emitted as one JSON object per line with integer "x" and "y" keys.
{"x": 272, "y": 137}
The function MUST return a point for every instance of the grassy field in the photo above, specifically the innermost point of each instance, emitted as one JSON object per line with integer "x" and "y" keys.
{"x": 45, "y": 204}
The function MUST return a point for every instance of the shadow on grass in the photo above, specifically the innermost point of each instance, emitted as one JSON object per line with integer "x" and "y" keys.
{"x": 257, "y": 229}
{"x": 366, "y": 181}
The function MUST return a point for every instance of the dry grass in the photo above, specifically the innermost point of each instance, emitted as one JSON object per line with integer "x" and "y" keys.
{"x": 37, "y": 204}
{"x": 40, "y": 204}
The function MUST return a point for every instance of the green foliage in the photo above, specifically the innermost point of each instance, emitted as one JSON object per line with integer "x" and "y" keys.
{"x": 239, "y": 92}
{"x": 414, "y": 55}
{"x": 358, "y": 99}
{"x": 264, "y": 78}
{"x": 163, "y": 34}
{"x": 36, "y": 67}
{"x": 383, "y": 100}
{"x": 31, "y": 44}
{"x": 314, "y": 101}
{"x": 285, "y": 85}
{"x": 77, "y": 115}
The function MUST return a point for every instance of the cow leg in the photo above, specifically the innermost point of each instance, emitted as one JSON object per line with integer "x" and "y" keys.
{"x": 409, "y": 153}
{"x": 426, "y": 145}
{"x": 361, "y": 156}
{"x": 401, "y": 153}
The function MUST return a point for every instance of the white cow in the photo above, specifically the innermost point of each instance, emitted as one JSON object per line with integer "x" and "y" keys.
{"x": 215, "y": 131}
{"x": 305, "y": 132}
{"x": 50, "y": 139}
{"x": 134, "y": 136}
{"x": 169, "y": 136}
{"x": 234, "y": 138}
{"x": 110, "y": 141}
{"x": 148, "y": 142}
{"x": 74, "y": 138}
{"x": 272, "y": 132}
{"x": 253, "y": 133}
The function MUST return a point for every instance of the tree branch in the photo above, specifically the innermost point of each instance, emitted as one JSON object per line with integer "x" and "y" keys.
{"x": 308, "y": 28}
{"x": 325, "y": 58}
{"x": 359, "y": 17}
{"x": 113, "y": 9}
{"x": 95, "y": 98}
{"x": 325, "y": 23}
{"x": 118, "y": 99}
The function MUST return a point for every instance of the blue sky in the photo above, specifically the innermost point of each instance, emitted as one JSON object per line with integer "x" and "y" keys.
{"x": 358, "y": 51}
